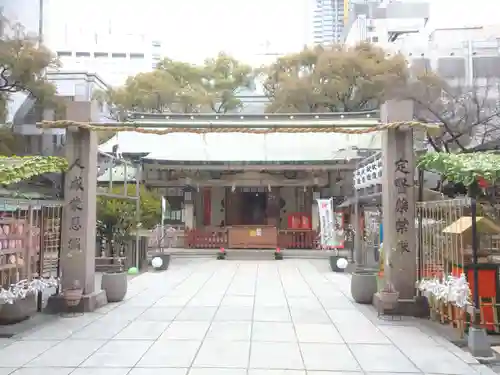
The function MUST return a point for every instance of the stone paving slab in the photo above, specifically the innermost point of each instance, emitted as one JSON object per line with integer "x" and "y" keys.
{"x": 207, "y": 317}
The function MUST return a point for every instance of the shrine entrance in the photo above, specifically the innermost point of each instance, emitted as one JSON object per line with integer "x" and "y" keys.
{"x": 253, "y": 208}
{"x": 255, "y": 132}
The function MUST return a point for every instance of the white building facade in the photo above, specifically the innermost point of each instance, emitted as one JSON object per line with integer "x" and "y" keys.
{"x": 328, "y": 21}
{"x": 115, "y": 42}
{"x": 382, "y": 23}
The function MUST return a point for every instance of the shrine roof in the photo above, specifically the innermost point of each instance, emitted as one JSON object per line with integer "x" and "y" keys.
{"x": 117, "y": 174}
{"x": 237, "y": 147}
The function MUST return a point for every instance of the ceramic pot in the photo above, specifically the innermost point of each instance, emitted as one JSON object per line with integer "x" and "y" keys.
{"x": 165, "y": 261}
{"x": 333, "y": 263}
{"x": 115, "y": 285}
{"x": 363, "y": 286}
{"x": 72, "y": 297}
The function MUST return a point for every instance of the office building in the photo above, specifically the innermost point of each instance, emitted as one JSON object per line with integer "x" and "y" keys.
{"x": 115, "y": 42}
{"x": 382, "y": 23}
{"x": 329, "y": 17}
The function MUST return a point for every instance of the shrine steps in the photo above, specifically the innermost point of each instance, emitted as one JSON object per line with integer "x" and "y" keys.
{"x": 248, "y": 254}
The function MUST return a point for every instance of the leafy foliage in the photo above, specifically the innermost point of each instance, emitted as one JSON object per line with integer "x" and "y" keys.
{"x": 23, "y": 61}
{"x": 16, "y": 169}
{"x": 462, "y": 168}
{"x": 121, "y": 213}
{"x": 333, "y": 79}
{"x": 176, "y": 86}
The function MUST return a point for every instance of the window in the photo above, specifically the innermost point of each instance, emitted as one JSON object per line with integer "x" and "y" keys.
{"x": 374, "y": 39}
{"x": 100, "y": 55}
{"x": 82, "y": 54}
{"x": 136, "y": 55}
{"x": 119, "y": 55}
{"x": 370, "y": 28}
{"x": 156, "y": 43}
{"x": 64, "y": 54}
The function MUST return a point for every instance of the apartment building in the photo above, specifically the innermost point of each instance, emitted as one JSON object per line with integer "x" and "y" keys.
{"x": 329, "y": 17}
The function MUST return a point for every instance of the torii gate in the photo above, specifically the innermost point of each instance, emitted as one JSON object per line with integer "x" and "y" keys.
{"x": 396, "y": 121}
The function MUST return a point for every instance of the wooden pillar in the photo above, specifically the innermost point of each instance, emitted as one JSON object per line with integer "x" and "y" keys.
{"x": 273, "y": 208}
{"x": 188, "y": 211}
{"x": 233, "y": 207}
{"x": 207, "y": 206}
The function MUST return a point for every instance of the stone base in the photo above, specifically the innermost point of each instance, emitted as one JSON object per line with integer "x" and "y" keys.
{"x": 416, "y": 307}
{"x": 90, "y": 302}
{"x": 478, "y": 343}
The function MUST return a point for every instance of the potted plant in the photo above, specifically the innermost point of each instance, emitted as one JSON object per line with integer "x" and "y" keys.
{"x": 363, "y": 285}
{"x": 73, "y": 295}
{"x": 278, "y": 255}
{"x": 389, "y": 297}
{"x": 160, "y": 261}
{"x": 115, "y": 283}
{"x": 17, "y": 303}
{"x": 334, "y": 261}
{"x": 221, "y": 254}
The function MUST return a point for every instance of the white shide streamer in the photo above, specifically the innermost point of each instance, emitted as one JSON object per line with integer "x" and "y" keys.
{"x": 449, "y": 289}
{"x": 23, "y": 288}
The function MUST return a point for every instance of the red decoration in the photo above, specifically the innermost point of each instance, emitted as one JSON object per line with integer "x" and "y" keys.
{"x": 278, "y": 250}
{"x": 299, "y": 221}
{"x": 221, "y": 249}
{"x": 482, "y": 182}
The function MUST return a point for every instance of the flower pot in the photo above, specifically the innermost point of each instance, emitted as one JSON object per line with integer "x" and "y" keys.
{"x": 278, "y": 255}
{"x": 115, "y": 285}
{"x": 20, "y": 310}
{"x": 165, "y": 261}
{"x": 363, "y": 286}
{"x": 389, "y": 300}
{"x": 333, "y": 263}
{"x": 72, "y": 297}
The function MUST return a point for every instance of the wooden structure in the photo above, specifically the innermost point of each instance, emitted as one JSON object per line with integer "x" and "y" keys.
{"x": 30, "y": 234}
{"x": 236, "y": 190}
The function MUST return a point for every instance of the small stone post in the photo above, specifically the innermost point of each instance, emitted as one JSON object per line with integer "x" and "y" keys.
{"x": 398, "y": 200}
{"x": 78, "y": 239}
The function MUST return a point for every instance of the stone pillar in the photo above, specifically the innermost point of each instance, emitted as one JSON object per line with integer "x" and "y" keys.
{"x": 78, "y": 239}
{"x": 398, "y": 200}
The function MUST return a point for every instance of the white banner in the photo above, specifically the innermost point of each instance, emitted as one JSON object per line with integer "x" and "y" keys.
{"x": 331, "y": 232}
{"x": 163, "y": 210}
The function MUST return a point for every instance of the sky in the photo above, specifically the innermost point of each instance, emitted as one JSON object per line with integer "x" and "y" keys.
{"x": 453, "y": 13}
{"x": 193, "y": 29}
{"x": 199, "y": 28}
{"x": 244, "y": 28}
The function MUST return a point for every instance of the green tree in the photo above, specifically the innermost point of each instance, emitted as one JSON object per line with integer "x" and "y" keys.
{"x": 122, "y": 211}
{"x": 222, "y": 77}
{"x": 190, "y": 93}
{"x": 180, "y": 87}
{"x": 116, "y": 218}
{"x": 23, "y": 61}
{"x": 333, "y": 79}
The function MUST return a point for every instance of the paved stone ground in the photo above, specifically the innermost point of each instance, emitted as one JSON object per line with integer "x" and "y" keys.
{"x": 207, "y": 317}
